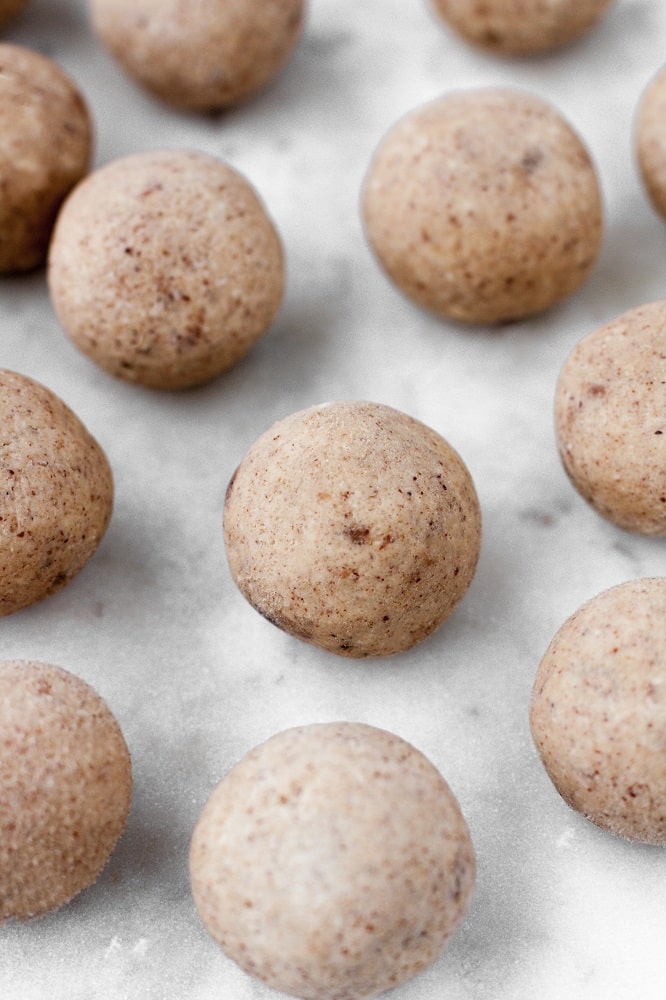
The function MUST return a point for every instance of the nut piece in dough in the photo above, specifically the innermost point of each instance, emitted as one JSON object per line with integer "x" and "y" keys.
{"x": 9, "y": 9}
{"x": 610, "y": 419}
{"x": 598, "y": 710}
{"x": 484, "y": 206}
{"x": 165, "y": 268}
{"x": 650, "y": 140}
{"x": 56, "y": 497}
{"x": 353, "y": 526}
{"x": 201, "y": 56}
{"x": 332, "y": 861}
{"x": 46, "y": 149}
{"x": 65, "y": 787}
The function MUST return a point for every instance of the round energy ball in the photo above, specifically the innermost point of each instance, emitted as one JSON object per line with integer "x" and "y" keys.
{"x": 9, "y": 9}
{"x": 610, "y": 419}
{"x": 165, "y": 268}
{"x": 332, "y": 861}
{"x": 46, "y": 148}
{"x": 650, "y": 140}
{"x": 65, "y": 787}
{"x": 598, "y": 710}
{"x": 354, "y": 527}
{"x": 483, "y": 206}
{"x": 203, "y": 56}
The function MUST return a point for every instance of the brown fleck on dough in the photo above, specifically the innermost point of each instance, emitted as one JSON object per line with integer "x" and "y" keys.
{"x": 56, "y": 494}
{"x": 610, "y": 419}
{"x": 650, "y": 140}
{"x": 65, "y": 787}
{"x": 353, "y": 526}
{"x": 9, "y": 9}
{"x": 332, "y": 861}
{"x": 484, "y": 206}
{"x": 165, "y": 268}
{"x": 200, "y": 56}
{"x": 598, "y": 711}
{"x": 46, "y": 148}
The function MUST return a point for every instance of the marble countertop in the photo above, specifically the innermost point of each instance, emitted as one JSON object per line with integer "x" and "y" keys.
{"x": 195, "y": 677}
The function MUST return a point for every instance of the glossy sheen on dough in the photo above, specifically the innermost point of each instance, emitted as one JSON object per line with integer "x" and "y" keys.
{"x": 353, "y": 526}
{"x": 332, "y": 862}
{"x": 610, "y": 417}
{"x": 484, "y": 206}
{"x": 598, "y": 711}
{"x": 650, "y": 140}
{"x": 165, "y": 268}
{"x": 65, "y": 787}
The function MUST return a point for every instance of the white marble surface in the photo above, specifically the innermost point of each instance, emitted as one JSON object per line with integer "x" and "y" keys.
{"x": 195, "y": 677}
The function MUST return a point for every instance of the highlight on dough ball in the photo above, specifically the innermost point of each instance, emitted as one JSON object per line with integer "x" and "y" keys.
{"x": 202, "y": 56}
{"x": 46, "y": 149}
{"x": 65, "y": 787}
{"x": 9, "y": 9}
{"x": 598, "y": 710}
{"x": 650, "y": 140}
{"x": 332, "y": 861}
{"x": 57, "y": 493}
{"x": 165, "y": 268}
{"x": 484, "y": 206}
{"x": 610, "y": 419}
{"x": 353, "y": 526}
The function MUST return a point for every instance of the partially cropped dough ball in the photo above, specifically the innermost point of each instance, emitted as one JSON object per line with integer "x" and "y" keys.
{"x": 598, "y": 711}
{"x": 46, "y": 149}
{"x": 610, "y": 416}
{"x": 165, "y": 268}
{"x": 56, "y": 496}
{"x": 353, "y": 526}
{"x": 9, "y": 9}
{"x": 201, "y": 56}
{"x": 650, "y": 140}
{"x": 332, "y": 861}
{"x": 65, "y": 787}
{"x": 484, "y": 206}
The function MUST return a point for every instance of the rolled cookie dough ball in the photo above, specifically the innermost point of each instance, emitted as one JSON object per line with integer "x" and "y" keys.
{"x": 203, "y": 56}
{"x": 353, "y": 526}
{"x": 165, "y": 268}
{"x": 598, "y": 711}
{"x": 650, "y": 140}
{"x": 9, "y": 9}
{"x": 332, "y": 861}
{"x": 56, "y": 496}
{"x": 46, "y": 148}
{"x": 610, "y": 419}
{"x": 483, "y": 206}
{"x": 65, "y": 787}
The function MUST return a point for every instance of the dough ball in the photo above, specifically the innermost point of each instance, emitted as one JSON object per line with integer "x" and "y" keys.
{"x": 46, "y": 148}
{"x": 165, "y": 268}
{"x": 203, "y": 56}
{"x": 353, "y": 526}
{"x": 9, "y": 9}
{"x": 483, "y": 206}
{"x": 65, "y": 787}
{"x": 521, "y": 27}
{"x": 610, "y": 417}
{"x": 650, "y": 140}
{"x": 57, "y": 493}
{"x": 598, "y": 711}
{"x": 332, "y": 861}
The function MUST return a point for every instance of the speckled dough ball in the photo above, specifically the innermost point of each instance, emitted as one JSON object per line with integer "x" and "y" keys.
{"x": 484, "y": 206}
{"x": 46, "y": 148}
{"x": 165, "y": 268}
{"x": 200, "y": 56}
{"x": 332, "y": 861}
{"x": 650, "y": 140}
{"x": 610, "y": 418}
{"x": 56, "y": 496}
{"x": 65, "y": 787}
{"x": 598, "y": 712}
{"x": 9, "y": 9}
{"x": 353, "y": 526}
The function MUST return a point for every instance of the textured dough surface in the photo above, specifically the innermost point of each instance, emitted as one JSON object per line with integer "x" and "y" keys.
{"x": 650, "y": 140}
{"x": 332, "y": 862}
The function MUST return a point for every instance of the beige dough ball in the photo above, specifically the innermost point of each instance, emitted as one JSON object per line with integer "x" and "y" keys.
{"x": 46, "y": 148}
{"x": 598, "y": 711}
{"x": 610, "y": 419}
{"x": 521, "y": 27}
{"x": 65, "y": 787}
{"x": 332, "y": 861}
{"x": 483, "y": 206}
{"x": 9, "y": 9}
{"x": 200, "y": 56}
{"x": 650, "y": 140}
{"x": 165, "y": 268}
{"x": 56, "y": 496}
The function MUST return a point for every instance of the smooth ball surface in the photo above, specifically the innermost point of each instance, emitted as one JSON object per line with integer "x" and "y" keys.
{"x": 650, "y": 140}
